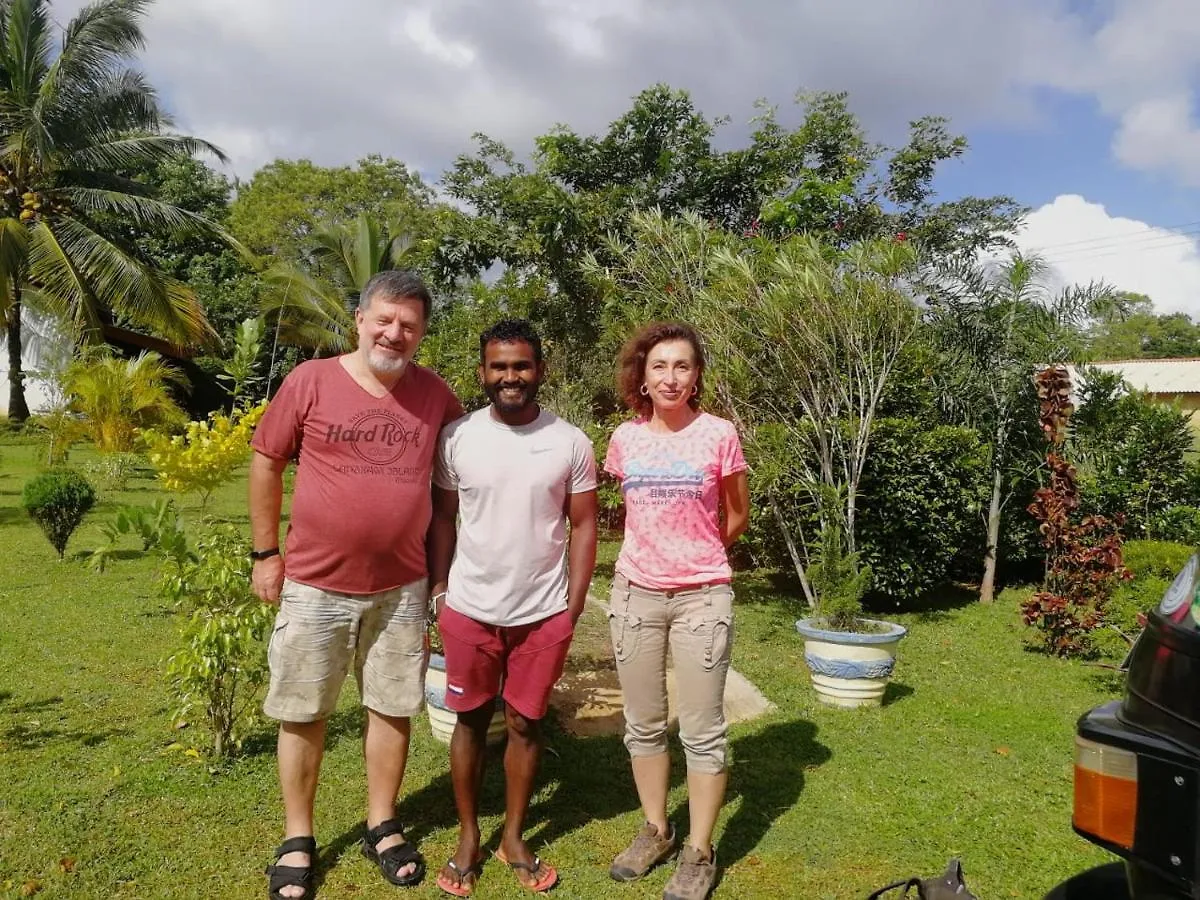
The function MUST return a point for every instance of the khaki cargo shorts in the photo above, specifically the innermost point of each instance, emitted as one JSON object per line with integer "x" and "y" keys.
{"x": 318, "y": 634}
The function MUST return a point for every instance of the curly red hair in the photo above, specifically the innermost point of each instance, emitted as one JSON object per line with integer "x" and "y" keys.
{"x": 631, "y": 371}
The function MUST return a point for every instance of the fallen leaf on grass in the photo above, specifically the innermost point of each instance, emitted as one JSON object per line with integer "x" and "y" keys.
{"x": 31, "y": 887}
{"x": 66, "y": 865}
{"x": 1003, "y": 751}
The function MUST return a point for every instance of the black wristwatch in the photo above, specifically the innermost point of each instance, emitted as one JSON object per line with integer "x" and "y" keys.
{"x": 264, "y": 554}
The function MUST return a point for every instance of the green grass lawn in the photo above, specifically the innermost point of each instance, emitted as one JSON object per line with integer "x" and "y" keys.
{"x": 971, "y": 756}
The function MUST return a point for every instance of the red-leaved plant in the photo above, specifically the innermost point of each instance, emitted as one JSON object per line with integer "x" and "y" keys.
{"x": 1083, "y": 559}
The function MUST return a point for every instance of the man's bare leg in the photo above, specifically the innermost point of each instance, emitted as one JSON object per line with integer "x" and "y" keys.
{"x": 468, "y": 749}
{"x": 301, "y": 746}
{"x": 385, "y": 750}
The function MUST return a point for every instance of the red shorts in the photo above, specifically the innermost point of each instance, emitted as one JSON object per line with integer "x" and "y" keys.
{"x": 529, "y": 659}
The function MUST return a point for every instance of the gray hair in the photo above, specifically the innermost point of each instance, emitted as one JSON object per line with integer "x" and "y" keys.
{"x": 396, "y": 284}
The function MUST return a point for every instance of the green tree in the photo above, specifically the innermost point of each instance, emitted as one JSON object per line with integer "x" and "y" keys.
{"x": 997, "y": 323}
{"x": 822, "y": 177}
{"x": 223, "y": 276}
{"x": 312, "y": 303}
{"x": 286, "y": 202}
{"x": 76, "y": 116}
{"x": 803, "y": 339}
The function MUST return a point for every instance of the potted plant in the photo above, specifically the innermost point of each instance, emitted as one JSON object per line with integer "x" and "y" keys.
{"x": 441, "y": 718}
{"x": 850, "y": 657}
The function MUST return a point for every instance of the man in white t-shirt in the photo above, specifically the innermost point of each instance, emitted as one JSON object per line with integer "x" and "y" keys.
{"x": 517, "y": 475}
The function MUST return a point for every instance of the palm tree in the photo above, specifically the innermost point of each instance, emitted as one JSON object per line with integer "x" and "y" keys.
{"x": 998, "y": 323}
{"x": 118, "y": 396}
{"x": 314, "y": 301}
{"x": 73, "y": 117}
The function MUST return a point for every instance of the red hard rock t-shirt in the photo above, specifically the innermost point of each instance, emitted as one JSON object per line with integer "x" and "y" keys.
{"x": 361, "y": 504}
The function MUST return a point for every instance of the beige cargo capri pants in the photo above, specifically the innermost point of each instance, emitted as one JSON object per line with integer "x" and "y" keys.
{"x": 698, "y": 626}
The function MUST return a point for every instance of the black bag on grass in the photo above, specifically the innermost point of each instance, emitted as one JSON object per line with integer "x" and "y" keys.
{"x": 947, "y": 886}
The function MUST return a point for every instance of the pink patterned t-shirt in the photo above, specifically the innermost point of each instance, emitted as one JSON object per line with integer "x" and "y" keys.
{"x": 672, "y": 488}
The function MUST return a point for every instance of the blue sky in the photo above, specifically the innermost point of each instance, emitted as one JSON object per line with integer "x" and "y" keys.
{"x": 1069, "y": 152}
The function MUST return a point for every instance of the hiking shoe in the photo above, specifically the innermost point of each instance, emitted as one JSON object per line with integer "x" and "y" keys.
{"x": 694, "y": 876}
{"x": 648, "y": 849}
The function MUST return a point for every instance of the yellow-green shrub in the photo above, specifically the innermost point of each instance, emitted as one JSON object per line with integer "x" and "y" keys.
{"x": 206, "y": 455}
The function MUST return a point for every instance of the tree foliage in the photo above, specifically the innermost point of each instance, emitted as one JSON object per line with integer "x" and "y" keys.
{"x": 995, "y": 322}
{"x": 823, "y": 178}
{"x": 278, "y": 211}
{"x": 77, "y": 115}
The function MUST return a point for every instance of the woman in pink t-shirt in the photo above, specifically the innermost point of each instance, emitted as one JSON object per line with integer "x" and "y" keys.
{"x": 679, "y": 467}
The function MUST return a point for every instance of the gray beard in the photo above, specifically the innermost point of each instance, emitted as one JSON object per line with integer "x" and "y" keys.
{"x": 381, "y": 365}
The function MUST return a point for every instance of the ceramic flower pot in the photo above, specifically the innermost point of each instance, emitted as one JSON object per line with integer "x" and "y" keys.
{"x": 850, "y": 668}
{"x": 441, "y": 718}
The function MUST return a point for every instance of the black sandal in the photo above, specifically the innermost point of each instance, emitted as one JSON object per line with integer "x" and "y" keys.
{"x": 393, "y": 859}
{"x": 293, "y": 876}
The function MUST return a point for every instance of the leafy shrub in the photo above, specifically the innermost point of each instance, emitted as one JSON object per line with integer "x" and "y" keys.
{"x": 1180, "y": 524}
{"x": 1132, "y": 453}
{"x": 119, "y": 396}
{"x": 159, "y": 528}
{"x": 839, "y": 580}
{"x": 59, "y": 429}
{"x": 221, "y": 667}
{"x": 1163, "y": 559}
{"x": 1154, "y": 565}
{"x": 58, "y": 500}
{"x": 920, "y": 505}
{"x": 112, "y": 471}
{"x": 206, "y": 455}
{"x": 1083, "y": 559}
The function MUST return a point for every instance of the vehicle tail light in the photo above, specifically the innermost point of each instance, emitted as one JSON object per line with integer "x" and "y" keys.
{"x": 1105, "y": 792}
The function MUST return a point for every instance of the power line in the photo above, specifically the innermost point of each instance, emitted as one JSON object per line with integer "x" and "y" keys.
{"x": 1147, "y": 242}
{"x": 1116, "y": 237}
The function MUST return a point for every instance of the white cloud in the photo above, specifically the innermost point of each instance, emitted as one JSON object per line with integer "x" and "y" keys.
{"x": 1084, "y": 243}
{"x": 336, "y": 81}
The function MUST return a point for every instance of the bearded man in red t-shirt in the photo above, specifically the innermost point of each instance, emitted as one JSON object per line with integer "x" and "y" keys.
{"x": 352, "y": 582}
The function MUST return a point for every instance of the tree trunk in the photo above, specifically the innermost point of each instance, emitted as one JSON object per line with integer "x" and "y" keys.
{"x": 18, "y": 409}
{"x": 809, "y": 596}
{"x": 987, "y": 590}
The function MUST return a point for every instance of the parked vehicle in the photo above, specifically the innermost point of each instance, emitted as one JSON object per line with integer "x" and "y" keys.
{"x": 1137, "y": 763}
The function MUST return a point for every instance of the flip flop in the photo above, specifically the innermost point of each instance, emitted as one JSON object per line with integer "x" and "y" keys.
{"x": 543, "y": 884}
{"x": 461, "y": 889}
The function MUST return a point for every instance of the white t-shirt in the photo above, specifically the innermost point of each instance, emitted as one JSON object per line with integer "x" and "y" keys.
{"x": 510, "y": 565}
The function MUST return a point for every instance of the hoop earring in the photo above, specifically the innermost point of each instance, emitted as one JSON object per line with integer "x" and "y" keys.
{"x": 695, "y": 389}
{"x": 644, "y": 391}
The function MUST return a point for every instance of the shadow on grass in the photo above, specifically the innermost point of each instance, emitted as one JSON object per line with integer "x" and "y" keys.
{"x": 768, "y": 776}
{"x": 33, "y": 735}
{"x": 591, "y": 780}
{"x": 13, "y": 515}
{"x": 931, "y": 608}
{"x": 896, "y": 691}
